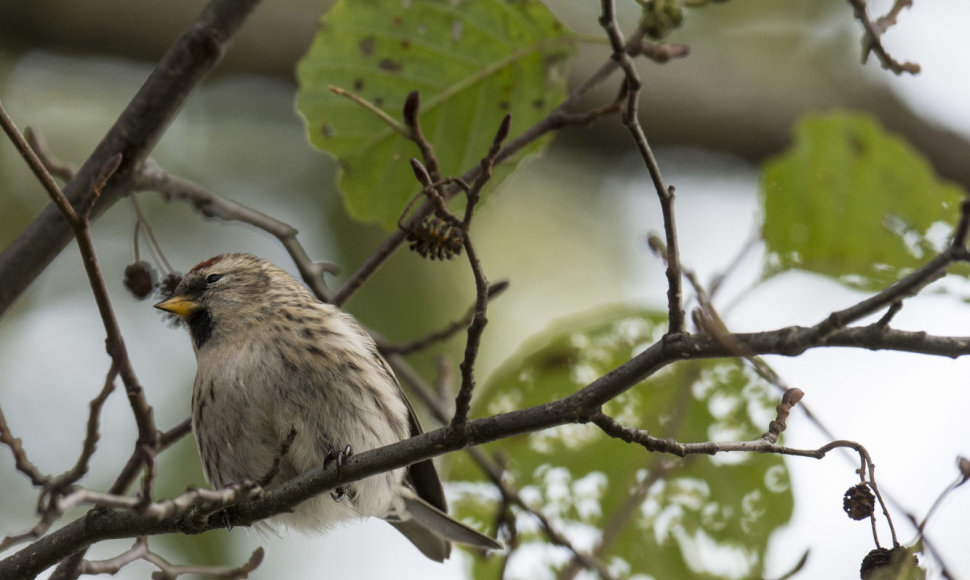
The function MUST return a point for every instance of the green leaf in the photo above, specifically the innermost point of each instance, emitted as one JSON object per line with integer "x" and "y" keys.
{"x": 472, "y": 62}
{"x": 851, "y": 201}
{"x": 669, "y": 513}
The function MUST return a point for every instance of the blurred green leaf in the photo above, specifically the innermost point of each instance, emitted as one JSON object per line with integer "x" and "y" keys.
{"x": 851, "y": 201}
{"x": 669, "y": 517}
{"x": 472, "y": 62}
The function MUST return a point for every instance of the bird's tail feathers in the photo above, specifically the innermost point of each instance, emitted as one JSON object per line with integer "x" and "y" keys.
{"x": 443, "y": 525}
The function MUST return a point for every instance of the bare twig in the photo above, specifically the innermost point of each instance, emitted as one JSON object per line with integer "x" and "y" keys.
{"x": 657, "y": 444}
{"x": 140, "y": 551}
{"x": 21, "y": 462}
{"x": 79, "y": 222}
{"x": 166, "y": 438}
{"x": 580, "y": 406}
{"x": 446, "y": 332}
{"x": 210, "y": 204}
{"x": 492, "y": 468}
{"x": 778, "y": 424}
{"x": 585, "y": 559}
{"x": 114, "y": 565}
{"x": 872, "y": 40}
{"x": 373, "y": 109}
{"x": 477, "y": 327}
{"x": 960, "y": 480}
{"x": 148, "y": 476}
{"x": 37, "y": 167}
{"x": 622, "y": 515}
{"x": 135, "y": 133}
{"x": 204, "y": 501}
{"x": 142, "y": 224}
{"x": 561, "y": 116}
{"x": 169, "y": 571}
{"x": 91, "y": 438}
{"x": 675, "y": 307}
{"x": 412, "y": 118}
{"x": 52, "y": 163}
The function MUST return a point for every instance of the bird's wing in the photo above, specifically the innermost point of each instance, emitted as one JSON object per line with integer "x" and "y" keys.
{"x": 421, "y": 476}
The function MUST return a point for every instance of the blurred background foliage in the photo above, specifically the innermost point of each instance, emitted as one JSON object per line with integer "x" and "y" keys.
{"x": 567, "y": 228}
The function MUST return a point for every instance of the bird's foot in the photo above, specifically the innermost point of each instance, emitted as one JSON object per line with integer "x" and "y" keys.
{"x": 227, "y": 516}
{"x": 338, "y": 458}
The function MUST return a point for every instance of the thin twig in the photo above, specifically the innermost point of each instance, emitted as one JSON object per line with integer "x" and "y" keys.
{"x": 665, "y": 193}
{"x": 373, "y": 109}
{"x": 79, "y": 223}
{"x": 556, "y": 537}
{"x": 140, "y": 551}
{"x": 579, "y": 406}
{"x": 412, "y": 118}
{"x": 37, "y": 167}
{"x": 142, "y": 223}
{"x": 872, "y": 40}
{"x": 52, "y": 163}
{"x": 561, "y": 116}
{"x": 153, "y": 178}
{"x": 136, "y": 131}
{"x": 628, "y": 508}
{"x": 148, "y": 475}
{"x": 80, "y": 468}
{"x": 446, "y": 332}
{"x": 489, "y": 465}
{"x": 479, "y": 320}
{"x": 21, "y": 462}
{"x": 169, "y": 571}
{"x": 114, "y": 565}
{"x": 664, "y": 445}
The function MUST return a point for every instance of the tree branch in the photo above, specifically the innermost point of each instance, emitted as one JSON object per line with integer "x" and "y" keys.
{"x": 133, "y": 135}
{"x": 446, "y": 332}
{"x": 210, "y": 204}
{"x": 561, "y": 116}
{"x": 632, "y": 85}
{"x": 582, "y": 406}
{"x": 872, "y": 40}
{"x": 78, "y": 218}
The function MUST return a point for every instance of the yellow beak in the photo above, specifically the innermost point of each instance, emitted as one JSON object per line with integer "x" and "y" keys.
{"x": 182, "y": 306}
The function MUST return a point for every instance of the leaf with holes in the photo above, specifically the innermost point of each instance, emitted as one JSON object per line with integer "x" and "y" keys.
{"x": 472, "y": 62}
{"x": 656, "y": 515}
{"x": 851, "y": 201}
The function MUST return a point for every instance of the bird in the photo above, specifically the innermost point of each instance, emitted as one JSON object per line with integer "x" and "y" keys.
{"x": 273, "y": 363}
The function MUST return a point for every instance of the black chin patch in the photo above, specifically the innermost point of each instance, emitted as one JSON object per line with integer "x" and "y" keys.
{"x": 200, "y": 327}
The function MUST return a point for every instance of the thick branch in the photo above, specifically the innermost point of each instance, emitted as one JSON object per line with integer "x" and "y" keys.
{"x": 580, "y": 407}
{"x": 133, "y": 135}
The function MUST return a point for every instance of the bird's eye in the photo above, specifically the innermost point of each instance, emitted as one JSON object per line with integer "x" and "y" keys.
{"x": 212, "y": 278}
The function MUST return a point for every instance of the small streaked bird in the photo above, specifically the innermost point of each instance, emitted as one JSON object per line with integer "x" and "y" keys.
{"x": 271, "y": 359}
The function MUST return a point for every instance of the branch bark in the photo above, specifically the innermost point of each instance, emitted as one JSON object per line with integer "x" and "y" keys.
{"x": 579, "y": 407}
{"x": 134, "y": 135}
